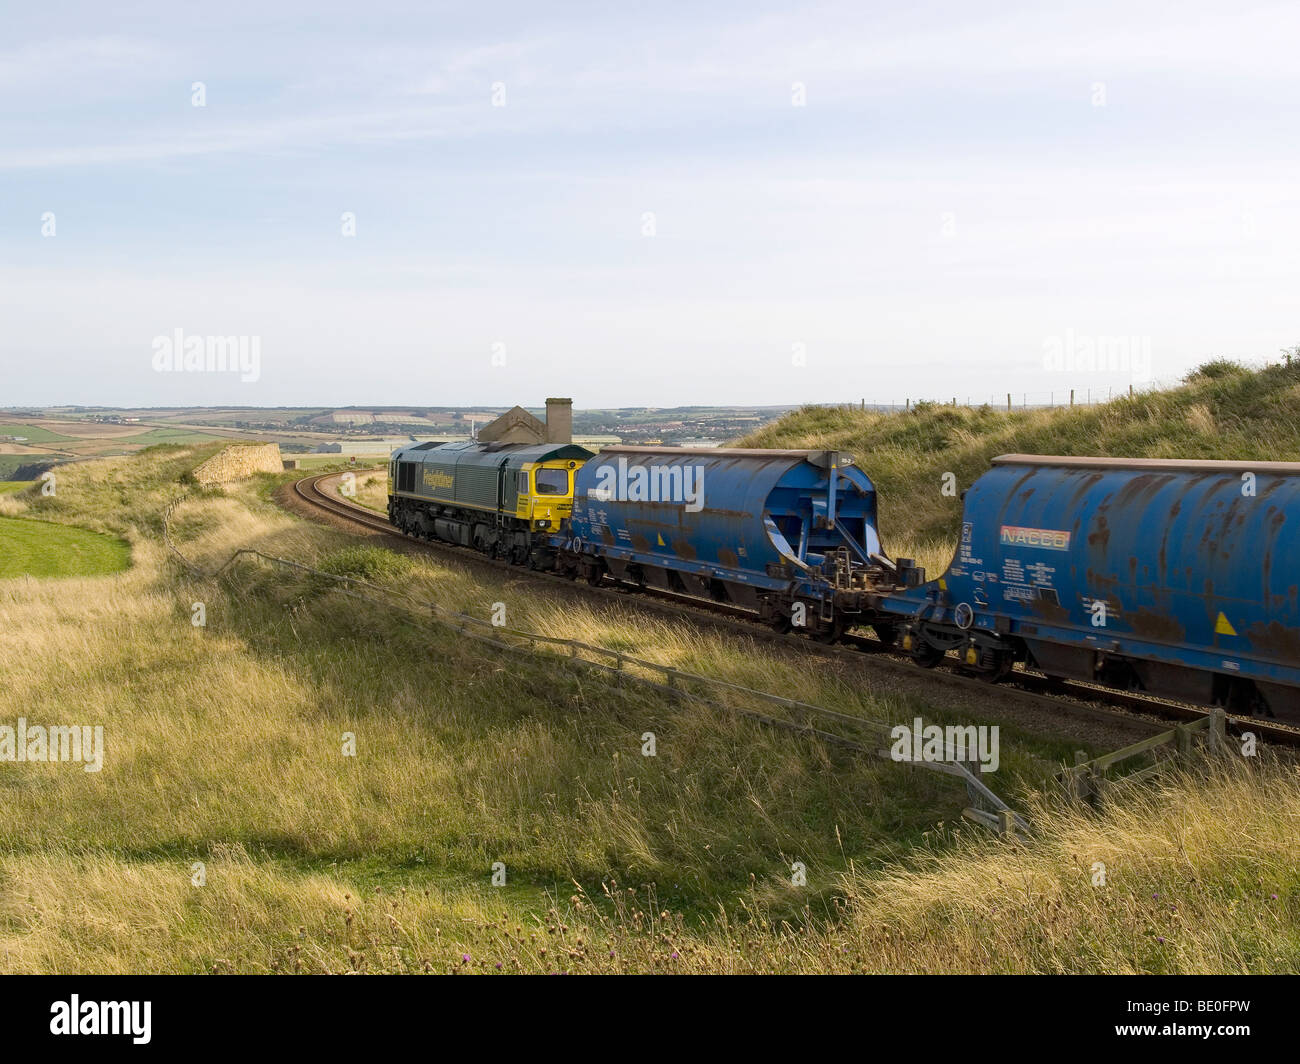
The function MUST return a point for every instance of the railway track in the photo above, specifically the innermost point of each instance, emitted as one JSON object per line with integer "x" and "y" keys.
{"x": 1141, "y": 714}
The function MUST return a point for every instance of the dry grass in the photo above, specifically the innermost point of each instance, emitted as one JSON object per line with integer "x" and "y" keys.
{"x": 224, "y": 747}
{"x": 1198, "y": 879}
{"x": 231, "y": 735}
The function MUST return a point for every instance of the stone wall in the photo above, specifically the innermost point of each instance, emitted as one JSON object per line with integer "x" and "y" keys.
{"x": 239, "y": 461}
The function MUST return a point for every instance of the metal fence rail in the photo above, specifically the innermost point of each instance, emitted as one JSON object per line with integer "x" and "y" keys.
{"x": 986, "y": 807}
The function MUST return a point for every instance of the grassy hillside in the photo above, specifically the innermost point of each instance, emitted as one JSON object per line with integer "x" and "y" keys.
{"x": 1223, "y": 411}
{"x": 41, "y": 548}
{"x": 225, "y": 748}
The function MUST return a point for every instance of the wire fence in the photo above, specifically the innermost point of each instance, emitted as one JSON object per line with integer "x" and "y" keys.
{"x": 1075, "y": 395}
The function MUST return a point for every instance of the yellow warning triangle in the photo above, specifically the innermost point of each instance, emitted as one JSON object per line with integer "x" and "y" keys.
{"x": 1223, "y": 626}
{"x": 663, "y": 544}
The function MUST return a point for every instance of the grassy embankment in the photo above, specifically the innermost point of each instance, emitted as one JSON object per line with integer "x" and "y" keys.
{"x": 1224, "y": 411}
{"x": 45, "y": 549}
{"x": 223, "y": 746}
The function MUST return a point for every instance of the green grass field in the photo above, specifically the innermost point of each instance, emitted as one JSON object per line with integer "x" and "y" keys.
{"x": 42, "y": 549}
{"x": 8, "y": 487}
{"x": 34, "y": 434}
{"x": 169, "y": 435}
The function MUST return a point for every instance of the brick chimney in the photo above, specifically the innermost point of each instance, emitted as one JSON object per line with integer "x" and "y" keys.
{"x": 559, "y": 420}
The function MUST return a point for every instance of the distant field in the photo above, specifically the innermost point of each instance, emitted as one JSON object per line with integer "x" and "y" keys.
{"x": 8, "y": 486}
{"x": 11, "y": 462}
{"x": 164, "y": 435}
{"x": 41, "y": 548}
{"x": 33, "y": 433}
{"x": 318, "y": 462}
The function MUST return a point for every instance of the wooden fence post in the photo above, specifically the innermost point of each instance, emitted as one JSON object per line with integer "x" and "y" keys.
{"x": 1100, "y": 790}
{"x": 1218, "y": 733}
{"x": 1080, "y": 776}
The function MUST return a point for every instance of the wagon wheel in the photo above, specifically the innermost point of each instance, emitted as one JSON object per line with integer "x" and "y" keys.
{"x": 999, "y": 666}
{"x": 886, "y": 633}
{"x": 925, "y": 655}
{"x": 827, "y": 636}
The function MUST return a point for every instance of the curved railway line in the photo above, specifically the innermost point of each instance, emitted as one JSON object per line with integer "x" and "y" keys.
{"x": 1121, "y": 710}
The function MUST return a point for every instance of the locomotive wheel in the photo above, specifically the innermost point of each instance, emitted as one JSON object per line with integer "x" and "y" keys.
{"x": 886, "y": 633}
{"x": 781, "y": 625}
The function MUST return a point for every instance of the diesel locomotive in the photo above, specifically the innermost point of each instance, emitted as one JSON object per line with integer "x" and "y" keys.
{"x": 1171, "y": 577}
{"x": 500, "y": 498}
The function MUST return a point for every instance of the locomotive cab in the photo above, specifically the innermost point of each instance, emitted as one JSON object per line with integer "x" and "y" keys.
{"x": 543, "y": 492}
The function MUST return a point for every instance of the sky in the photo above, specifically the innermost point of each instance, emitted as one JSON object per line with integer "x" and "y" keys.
{"x": 641, "y": 205}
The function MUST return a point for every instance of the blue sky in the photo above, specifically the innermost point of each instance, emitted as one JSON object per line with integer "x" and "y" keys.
{"x": 965, "y": 188}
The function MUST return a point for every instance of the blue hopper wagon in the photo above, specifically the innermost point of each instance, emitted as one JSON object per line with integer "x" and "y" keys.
{"x": 1175, "y": 577}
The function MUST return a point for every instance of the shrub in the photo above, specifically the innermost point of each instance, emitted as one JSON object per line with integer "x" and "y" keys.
{"x": 372, "y": 564}
{"x": 1216, "y": 369}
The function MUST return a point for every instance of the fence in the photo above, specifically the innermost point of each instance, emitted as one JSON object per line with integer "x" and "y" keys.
{"x": 1079, "y": 395}
{"x": 1086, "y": 781}
{"x": 986, "y": 807}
